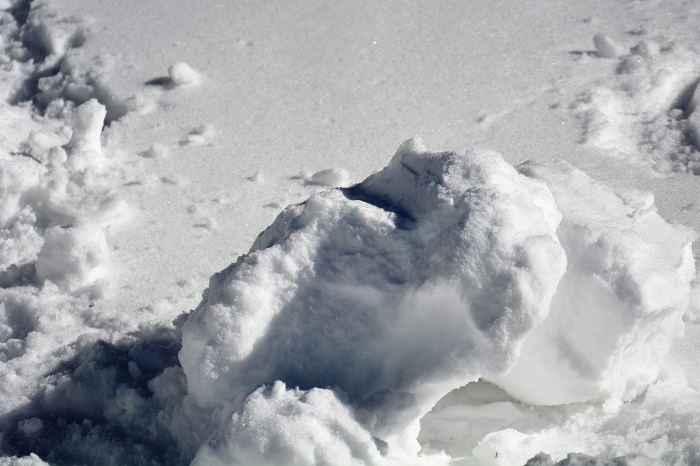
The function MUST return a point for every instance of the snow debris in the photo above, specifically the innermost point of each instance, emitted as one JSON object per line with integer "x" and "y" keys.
{"x": 72, "y": 257}
{"x": 199, "y": 135}
{"x": 606, "y": 47}
{"x": 329, "y": 177}
{"x": 87, "y": 127}
{"x": 182, "y": 74}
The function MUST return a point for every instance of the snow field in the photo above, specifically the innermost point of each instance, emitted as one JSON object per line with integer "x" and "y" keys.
{"x": 448, "y": 309}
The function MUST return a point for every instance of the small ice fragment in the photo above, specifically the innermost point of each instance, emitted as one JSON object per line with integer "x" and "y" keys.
{"x": 328, "y": 177}
{"x": 606, "y": 47}
{"x": 182, "y": 74}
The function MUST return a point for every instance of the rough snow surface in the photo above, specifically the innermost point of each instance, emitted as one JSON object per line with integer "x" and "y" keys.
{"x": 143, "y": 145}
{"x": 279, "y": 426}
{"x": 644, "y": 112}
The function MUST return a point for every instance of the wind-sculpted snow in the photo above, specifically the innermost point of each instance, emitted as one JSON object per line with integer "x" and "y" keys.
{"x": 426, "y": 276}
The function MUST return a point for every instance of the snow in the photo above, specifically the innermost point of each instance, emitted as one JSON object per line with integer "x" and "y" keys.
{"x": 618, "y": 307}
{"x": 528, "y": 299}
{"x": 442, "y": 263}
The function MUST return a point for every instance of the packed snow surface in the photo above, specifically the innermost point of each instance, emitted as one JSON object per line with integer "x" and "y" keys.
{"x": 529, "y": 299}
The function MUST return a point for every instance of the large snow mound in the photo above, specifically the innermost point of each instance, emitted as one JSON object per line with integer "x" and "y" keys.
{"x": 426, "y": 276}
{"x": 431, "y": 274}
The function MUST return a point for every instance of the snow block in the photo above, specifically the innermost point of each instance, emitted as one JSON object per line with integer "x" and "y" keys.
{"x": 424, "y": 277}
{"x": 72, "y": 257}
{"x": 620, "y": 305}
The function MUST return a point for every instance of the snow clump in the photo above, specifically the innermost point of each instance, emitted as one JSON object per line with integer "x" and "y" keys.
{"x": 182, "y": 74}
{"x": 305, "y": 427}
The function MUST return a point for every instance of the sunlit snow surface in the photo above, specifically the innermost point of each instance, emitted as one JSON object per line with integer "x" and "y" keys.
{"x": 533, "y": 304}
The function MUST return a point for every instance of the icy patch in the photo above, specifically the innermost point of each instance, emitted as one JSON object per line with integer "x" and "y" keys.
{"x": 644, "y": 112}
{"x": 426, "y": 276}
{"x": 620, "y": 304}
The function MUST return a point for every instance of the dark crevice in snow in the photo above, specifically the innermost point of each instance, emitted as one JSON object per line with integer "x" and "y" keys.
{"x": 404, "y": 220}
{"x": 20, "y": 11}
{"x": 15, "y": 275}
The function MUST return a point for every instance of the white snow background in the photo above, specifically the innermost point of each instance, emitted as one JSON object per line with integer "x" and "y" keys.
{"x": 212, "y": 251}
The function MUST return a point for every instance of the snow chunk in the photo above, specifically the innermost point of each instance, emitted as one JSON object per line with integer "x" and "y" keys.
{"x": 328, "y": 177}
{"x": 88, "y": 120}
{"x": 18, "y": 176}
{"x": 606, "y": 47}
{"x": 620, "y": 304}
{"x": 72, "y": 257}
{"x": 182, "y": 74}
{"x": 424, "y": 277}
{"x": 292, "y": 427}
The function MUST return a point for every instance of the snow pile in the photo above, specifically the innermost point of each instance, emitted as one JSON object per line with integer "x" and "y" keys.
{"x": 643, "y": 112}
{"x": 427, "y": 276}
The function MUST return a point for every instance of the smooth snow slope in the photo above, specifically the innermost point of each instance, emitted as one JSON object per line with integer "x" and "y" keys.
{"x": 219, "y": 114}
